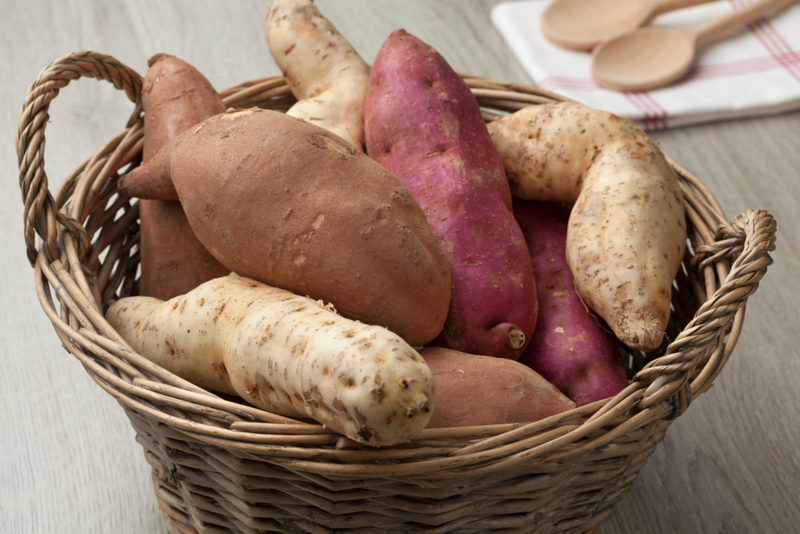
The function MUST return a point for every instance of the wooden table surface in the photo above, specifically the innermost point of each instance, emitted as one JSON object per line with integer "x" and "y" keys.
{"x": 68, "y": 459}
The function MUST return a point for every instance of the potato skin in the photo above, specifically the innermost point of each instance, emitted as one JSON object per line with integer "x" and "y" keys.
{"x": 424, "y": 125}
{"x": 175, "y": 96}
{"x": 474, "y": 390}
{"x": 292, "y": 205}
{"x": 570, "y": 347}
{"x": 287, "y": 354}
{"x": 627, "y": 232}
{"x": 323, "y": 70}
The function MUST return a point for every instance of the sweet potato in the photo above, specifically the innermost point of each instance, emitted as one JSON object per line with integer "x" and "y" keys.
{"x": 424, "y": 125}
{"x": 323, "y": 70}
{"x": 286, "y": 354}
{"x": 292, "y": 205}
{"x": 627, "y": 232}
{"x": 175, "y": 96}
{"x": 571, "y": 347}
{"x": 476, "y": 390}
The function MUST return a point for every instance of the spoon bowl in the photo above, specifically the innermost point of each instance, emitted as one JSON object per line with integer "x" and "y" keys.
{"x": 644, "y": 59}
{"x": 581, "y": 24}
{"x": 647, "y": 58}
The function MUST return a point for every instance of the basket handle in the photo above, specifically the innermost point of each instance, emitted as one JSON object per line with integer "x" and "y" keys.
{"x": 751, "y": 235}
{"x": 41, "y": 213}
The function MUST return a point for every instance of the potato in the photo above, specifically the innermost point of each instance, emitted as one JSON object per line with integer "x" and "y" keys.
{"x": 571, "y": 347}
{"x": 292, "y": 205}
{"x": 627, "y": 233}
{"x": 175, "y": 96}
{"x": 323, "y": 70}
{"x": 476, "y": 390}
{"x": 286, "y": 354}
{"x": 424, "y": 125}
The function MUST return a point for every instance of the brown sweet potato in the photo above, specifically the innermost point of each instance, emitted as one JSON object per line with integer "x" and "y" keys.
{"x": 476, "y": 390}
{"x": 292, "y": 205}
{"x": 571, "y": 347}
{"x": 175, "y": 96}
{"x": 424, "y": 125}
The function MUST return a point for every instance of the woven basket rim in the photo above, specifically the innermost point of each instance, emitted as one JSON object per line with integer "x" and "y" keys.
{"x": 731, "y": 257}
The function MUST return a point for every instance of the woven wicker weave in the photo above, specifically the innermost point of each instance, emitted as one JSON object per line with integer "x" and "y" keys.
{"x": 221, "y": 466}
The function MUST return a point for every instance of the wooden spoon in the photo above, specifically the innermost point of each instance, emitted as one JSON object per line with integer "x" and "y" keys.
{"x": 582, "y": 24}
{"x": 651, "y": 57}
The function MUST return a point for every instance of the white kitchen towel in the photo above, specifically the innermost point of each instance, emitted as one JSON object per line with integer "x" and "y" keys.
{"x": 756, "y": 72}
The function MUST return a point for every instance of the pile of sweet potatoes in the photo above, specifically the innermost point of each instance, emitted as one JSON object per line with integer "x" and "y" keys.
{"x": 366, "y": 265}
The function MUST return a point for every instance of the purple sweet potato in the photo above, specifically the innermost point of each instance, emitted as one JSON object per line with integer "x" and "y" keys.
{"x": 175, "y": 96}
{"x": 571, "y": 347}
{"x": 424, "y": 125}
{"x": 474, "y": 390}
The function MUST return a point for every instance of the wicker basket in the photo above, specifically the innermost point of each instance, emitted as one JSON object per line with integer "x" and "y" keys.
{"x": 222, "y": 466}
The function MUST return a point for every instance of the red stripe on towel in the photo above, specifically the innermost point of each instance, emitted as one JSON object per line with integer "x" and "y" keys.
{"x": 778, "y": 60}
{"x": 661, "y": 113}
{"x": 778, "y": 46}
{"x": 743, "y": 67}
{"x": 655, "y": 117}
{"x": 773, "y": 42}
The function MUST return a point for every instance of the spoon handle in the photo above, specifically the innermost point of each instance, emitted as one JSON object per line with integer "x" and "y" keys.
{"x": 735, "y": 21}
{"x": 659, "y": 7}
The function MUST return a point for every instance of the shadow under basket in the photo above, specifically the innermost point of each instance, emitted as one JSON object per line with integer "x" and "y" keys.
{"x": 222, "y": 466}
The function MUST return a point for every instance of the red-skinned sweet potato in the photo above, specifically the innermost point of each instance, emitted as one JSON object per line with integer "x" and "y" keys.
{"x": 424, "y": 125}
{"x": 571, "y": 347}
{"x": 476, "y": 390}
{"x": 292, "y": 205}
{"x": 175, "y": 96}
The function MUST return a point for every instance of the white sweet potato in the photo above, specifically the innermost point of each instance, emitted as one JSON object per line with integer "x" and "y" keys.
{"x": 286, "y": 354}
{"x": 323, "y": 70}
{"x": 627, "y": 232}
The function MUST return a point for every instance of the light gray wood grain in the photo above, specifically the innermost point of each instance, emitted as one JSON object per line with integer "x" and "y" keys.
{"x": 69, "y": 462}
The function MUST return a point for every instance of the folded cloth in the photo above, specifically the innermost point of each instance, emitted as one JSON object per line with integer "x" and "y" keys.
{"x": 756, "y": 72}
